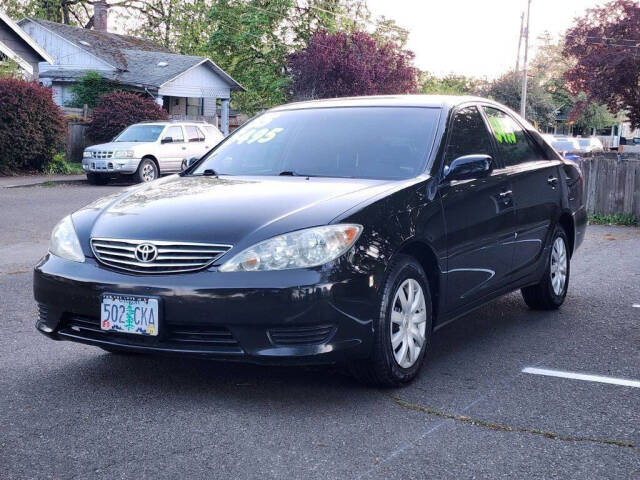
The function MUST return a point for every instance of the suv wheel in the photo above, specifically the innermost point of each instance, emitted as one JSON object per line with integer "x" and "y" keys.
{"x": 403, "y": 329}
{"x": 147, "y": 170}
{"x": 550, "y": 293}
{"x": 97, "y": 179}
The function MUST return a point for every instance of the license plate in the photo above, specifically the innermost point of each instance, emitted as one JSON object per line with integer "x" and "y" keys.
{"x": 101, "y": 164}
{"x": 127, "y": 314}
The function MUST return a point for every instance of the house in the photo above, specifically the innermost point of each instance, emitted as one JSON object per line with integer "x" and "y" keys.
{"x": 188, "y": 87}
{"x": 16, "y": 45}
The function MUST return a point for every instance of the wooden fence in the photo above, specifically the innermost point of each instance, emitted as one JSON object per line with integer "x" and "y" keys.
{"x": 612, "y": 184}
{"x": 77, "y": 141}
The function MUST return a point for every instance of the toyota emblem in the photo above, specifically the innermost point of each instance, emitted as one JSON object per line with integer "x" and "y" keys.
{"x": 146, "y": 252}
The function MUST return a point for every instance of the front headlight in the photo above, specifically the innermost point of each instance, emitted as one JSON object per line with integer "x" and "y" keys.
{"x": 64, "y": 241}
{"x": 86, "y": 154}
{"x": 123, "y": 154}
{"x": 301, "y": 249}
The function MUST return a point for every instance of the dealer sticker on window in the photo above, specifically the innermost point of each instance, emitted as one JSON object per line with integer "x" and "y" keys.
{"x": 129, "y": 314}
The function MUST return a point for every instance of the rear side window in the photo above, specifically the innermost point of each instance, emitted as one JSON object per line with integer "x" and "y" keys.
{"x": 193, "y": 134}
{"x": 175, "y": 133}
{"x": 514, "y": 145}
{"x": 200, "y": 134}
{"x": 469, "y": 135}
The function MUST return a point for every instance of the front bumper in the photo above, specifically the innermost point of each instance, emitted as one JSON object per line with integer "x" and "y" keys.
{"x": 110, "y": 165}
{"x": 296, "y": 316}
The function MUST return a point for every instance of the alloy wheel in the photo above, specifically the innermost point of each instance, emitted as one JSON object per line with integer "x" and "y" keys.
{"x": 148, "y": 172}
{"x": 408, "y": 323}
{"x": 558, "y": 268}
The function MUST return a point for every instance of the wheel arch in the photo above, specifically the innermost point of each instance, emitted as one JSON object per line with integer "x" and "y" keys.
{"x": 566, "y": 222}
{"x": 425, "y": 255}
{"x": 153, "y": 159}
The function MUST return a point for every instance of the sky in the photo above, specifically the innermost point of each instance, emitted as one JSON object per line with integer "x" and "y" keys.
{"x": 475, "y": 37}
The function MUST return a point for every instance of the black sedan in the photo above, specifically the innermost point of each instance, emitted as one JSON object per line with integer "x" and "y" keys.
{"x": 343, "y": 230}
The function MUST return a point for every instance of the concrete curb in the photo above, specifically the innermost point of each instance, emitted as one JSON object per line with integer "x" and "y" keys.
{"x": 30, "y": 181}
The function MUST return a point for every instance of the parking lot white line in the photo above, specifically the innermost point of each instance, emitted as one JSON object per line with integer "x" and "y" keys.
{"x": 582, "y": 376}
{"x": 636, "y": 305}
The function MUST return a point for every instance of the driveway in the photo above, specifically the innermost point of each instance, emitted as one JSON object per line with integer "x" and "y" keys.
{"x": 73, "y": 411}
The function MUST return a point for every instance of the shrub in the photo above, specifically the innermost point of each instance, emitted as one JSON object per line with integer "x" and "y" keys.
{"x": 117, "y": 110}
{"x": 89, "y": 88}
{"x": 59, "y": 165}
{"x": 32, "y": 128}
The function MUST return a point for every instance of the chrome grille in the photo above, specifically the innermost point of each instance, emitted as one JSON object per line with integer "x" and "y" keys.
{"x": 101, "y": 154}
{"x": 171, "y": 257}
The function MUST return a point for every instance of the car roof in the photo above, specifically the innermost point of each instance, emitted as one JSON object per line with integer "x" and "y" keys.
{"x": 176, "y": 122}
{"x": 432, "y": 101}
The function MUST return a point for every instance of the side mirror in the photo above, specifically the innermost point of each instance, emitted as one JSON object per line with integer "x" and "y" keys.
{"x": 187, "y": 162}
{"x": 166, "y": 140}
{"x": 469, "y": 166}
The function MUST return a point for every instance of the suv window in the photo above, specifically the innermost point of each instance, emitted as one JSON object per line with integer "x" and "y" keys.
{"x": 469, "y": 135}
{"x": 200, "y": 134}
{"x": 193, "y": 134}
{"x": 175, "y": 133}
{"x": 514, "y": 145}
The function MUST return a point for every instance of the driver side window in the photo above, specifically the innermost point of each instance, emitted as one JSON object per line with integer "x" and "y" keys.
{"x": 468, "y": 135}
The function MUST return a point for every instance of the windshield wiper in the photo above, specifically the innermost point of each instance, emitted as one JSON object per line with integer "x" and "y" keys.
{"x": 291, "y": 173}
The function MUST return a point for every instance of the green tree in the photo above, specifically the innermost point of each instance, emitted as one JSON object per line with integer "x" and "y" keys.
{"x": 451, "y": 84}
{"x": 549, "y": 67}
{"x": 89, "y": 88}
{"x": 9, "y": 67}
{"x": 70, "y": 12}
{"x": 251, "y": 39}
{"x": 507, "y": 89}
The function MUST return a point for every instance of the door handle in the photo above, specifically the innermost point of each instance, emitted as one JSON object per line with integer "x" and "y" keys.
{"x": 506, "y": 194}
{"x": 184, "y": 148}
{"x": 553, "y": 181}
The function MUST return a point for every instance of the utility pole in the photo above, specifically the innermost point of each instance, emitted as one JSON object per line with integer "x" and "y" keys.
{"x": 523, "y": 97}
{"x": 520, "y": 42}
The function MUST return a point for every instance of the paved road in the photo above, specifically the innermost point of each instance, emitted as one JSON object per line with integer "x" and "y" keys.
{"x": 71, "y": 411}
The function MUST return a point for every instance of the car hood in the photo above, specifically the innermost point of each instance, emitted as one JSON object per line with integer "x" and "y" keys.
{"x": 227, "y": 210}
{"x": 115, "y": 146}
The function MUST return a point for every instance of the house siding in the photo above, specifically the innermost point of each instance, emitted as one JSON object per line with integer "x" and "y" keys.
{"x": 64, "y": 53}
{"x": 198, "y": 82}
{"x": 18, "y": 47}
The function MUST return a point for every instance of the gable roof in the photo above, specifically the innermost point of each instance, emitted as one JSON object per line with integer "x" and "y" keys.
{"x": 135, "y": 59}
{"x": 30, "y": 42}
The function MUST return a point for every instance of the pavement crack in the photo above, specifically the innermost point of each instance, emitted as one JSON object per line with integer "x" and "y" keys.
{"x": 506, "y": 428}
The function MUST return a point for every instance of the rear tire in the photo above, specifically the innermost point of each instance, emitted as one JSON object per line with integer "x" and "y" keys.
{"x": 402, "y": 334}
{"x": 97, "y": 179}
{"x": 147, "y": 171}
{"x": 551, "y": 291}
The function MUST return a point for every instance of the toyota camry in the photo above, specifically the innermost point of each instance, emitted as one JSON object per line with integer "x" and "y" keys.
{"x": 336, "y": 231}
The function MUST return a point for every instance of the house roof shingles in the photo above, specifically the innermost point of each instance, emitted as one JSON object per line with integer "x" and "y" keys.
{"x": 135, "y": 59}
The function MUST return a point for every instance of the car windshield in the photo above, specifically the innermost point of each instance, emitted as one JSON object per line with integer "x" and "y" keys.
{"x": 349, "y": 142}
{"x": 140, "y": 133}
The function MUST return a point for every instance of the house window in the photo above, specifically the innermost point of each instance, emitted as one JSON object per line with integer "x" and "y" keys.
{"x": 195, "y": 106}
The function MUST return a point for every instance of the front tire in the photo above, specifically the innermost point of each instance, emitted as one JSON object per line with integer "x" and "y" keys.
{"x": 147, "y": 171}
{"x": 551, "y": 291}
{"x": 402, "y": 330}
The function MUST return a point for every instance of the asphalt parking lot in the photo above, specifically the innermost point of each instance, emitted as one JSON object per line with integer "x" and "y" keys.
{"x": 70, "y": 411}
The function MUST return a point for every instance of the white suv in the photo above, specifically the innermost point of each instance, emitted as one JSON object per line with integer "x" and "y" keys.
{"x": 146, "y": 150}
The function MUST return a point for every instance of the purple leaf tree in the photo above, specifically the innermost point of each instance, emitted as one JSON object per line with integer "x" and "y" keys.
{"x": 605, "y": 45}
{"x": 350, "y": 64}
